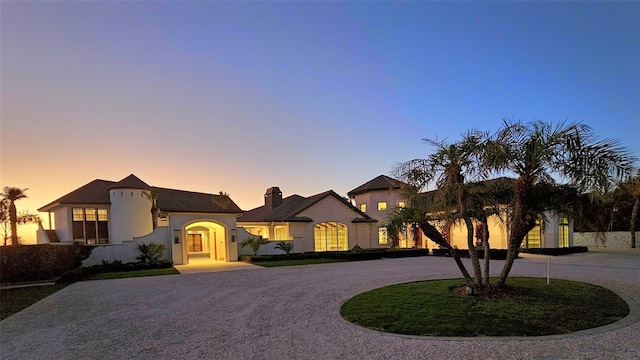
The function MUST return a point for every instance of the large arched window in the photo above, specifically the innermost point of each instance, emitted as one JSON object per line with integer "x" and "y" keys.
{"x": 331, "y": 236}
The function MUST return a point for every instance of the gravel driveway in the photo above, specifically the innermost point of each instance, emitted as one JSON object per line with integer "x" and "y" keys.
{"x": 292, "y": 313}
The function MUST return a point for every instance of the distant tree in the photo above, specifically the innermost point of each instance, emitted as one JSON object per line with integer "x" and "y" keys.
{"x": 10, "y": 195}
{"x": 631, "y": 188}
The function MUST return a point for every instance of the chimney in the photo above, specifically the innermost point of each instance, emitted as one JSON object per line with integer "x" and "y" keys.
{"x": 272, "y": 198}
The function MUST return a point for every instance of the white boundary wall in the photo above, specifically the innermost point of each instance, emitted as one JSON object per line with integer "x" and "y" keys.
{"x": 126, "y": 252}
{"x": 614, "y": 239}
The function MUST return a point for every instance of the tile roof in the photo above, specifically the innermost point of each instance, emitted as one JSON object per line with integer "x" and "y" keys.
{"x": 95, "y": 192}
{"x": 169, "y": 200}
{"x": 381, "y": 182}
{"x": 130, "y": 182}
{"x": 295, "y": 204}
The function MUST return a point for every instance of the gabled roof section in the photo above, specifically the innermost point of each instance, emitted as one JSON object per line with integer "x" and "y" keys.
{"x": 171, "y": 200}
{"x": 295, "y": 204}
{"x": 131, "y": 182}
{"x": 95, "y": 192}
{"x": 381, "y": 182}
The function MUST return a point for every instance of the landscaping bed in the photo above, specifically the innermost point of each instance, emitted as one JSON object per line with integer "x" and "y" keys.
{"x": 527, "y": 307}
{"x": 556, "y": 251}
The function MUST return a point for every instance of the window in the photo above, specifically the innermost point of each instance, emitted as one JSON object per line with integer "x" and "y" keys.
{"x": 281, "y": 233}
{"x": 78, "y": 214}
{"x": 382, "y": 205}
{"x": 401, "y": 204}
{"x": 382, "y": 236}
{"x": 331, "y": 236}
{"x": 563, "y": 232}
{"x": 90, "y": 214}
{"x": 363, "y": 207}
{"x": 90, "y": 225}
{"x": 532, "y": 240}
{"x": 102, "y": 215}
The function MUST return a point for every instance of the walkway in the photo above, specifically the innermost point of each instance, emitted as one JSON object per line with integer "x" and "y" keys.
{"x": 207, "y": 265}
{"x": 290, "y": 313}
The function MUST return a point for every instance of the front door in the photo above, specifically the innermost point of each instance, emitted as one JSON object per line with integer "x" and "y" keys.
{"x": 194, "y": 242}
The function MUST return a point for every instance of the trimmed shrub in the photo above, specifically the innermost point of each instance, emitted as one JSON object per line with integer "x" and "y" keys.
{"x": 26, "y": 263}
{"x": 116, "y": 266}
{"x": 401, "y": 253}
{"x": 556, "y": 251}
{"x": 340, "y": 255}
{"x": 494, "y": 254}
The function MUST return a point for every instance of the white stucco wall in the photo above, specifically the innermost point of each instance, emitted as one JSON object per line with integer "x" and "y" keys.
{"x": 328, "y": 209}
{"x": 126, "y": 251}
{"x": 371, "y": 198}
{"x": 614, "y": 240}
{"x": 62, "y": 218}
{"x": 178, "y": 222}
{"x": 130, "y": 215}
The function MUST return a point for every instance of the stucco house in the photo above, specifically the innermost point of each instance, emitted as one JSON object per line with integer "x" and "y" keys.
{"x": 382, "y": 194}
{"x": 115, "y": 216}
{"x": 321, "y": 222}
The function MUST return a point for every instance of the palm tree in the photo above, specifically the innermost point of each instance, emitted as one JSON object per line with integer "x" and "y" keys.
{"x": 632, "y": 187}
{"x": 11, "y": 195}
{"x": 448, "y": 166}
{"x": 223, "y": 199}
{"x": 152, "y": 195}
{"x": 536, "y": 152}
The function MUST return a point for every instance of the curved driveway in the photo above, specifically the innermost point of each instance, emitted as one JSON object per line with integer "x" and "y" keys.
{"x": 291, "y": 313}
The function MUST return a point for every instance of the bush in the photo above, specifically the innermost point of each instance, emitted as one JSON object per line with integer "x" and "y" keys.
{"x": 556, "y": 251}
{"x": 26, "y": 263}
{"x": 286, "y": 246}
{"x": 149, "y": 253}
{"x": 494, "y": 254}
{"x": 400, "y": 253}
{"x": 105, "y": 267}
{"x": 254, "y": 243}
{"x": 340, "y": 255}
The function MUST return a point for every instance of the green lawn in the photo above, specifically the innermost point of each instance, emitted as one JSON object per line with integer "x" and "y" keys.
{"x": 532, "y": 308}
{"x": 136, "y": 273}
{"x": 17, "y": 299}
{"x": 295, "y": 262}
{"x": 14, "y": 300}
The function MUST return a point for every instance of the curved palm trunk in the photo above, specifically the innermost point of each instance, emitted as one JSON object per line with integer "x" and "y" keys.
{"x": 473, "y": 254}
{"x": 520, "y": 226}
{"x": 485, "y": 242}
{"x": 13, "y": 220}
{"x": 634, "y": 217}
{"x": 432, "y": 233}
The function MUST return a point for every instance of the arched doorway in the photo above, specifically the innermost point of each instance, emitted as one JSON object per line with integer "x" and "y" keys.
{"x": 205, "y": 241}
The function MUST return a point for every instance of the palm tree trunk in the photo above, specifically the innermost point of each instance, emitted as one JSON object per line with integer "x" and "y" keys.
{"x": 432, "y": 233}
{"x": 473, "y": 254}
{"x": 487, "y": 253}
{"x": 519, "y": 227}
{"x": 13, "y": 219}
{"x": 634, "y": 218}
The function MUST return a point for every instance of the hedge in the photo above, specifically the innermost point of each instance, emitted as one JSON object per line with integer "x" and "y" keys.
{"x": 556, "y": 251}
{"x": 401, "y": 253}
{"x": 494, "y": 254}
{"x": 340, "y": 255}
{"x": 27, "y": 263}
{"x": 84, "y": 272}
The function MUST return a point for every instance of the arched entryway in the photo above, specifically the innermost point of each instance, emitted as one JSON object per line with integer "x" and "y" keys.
{"x": 205, "y": 241}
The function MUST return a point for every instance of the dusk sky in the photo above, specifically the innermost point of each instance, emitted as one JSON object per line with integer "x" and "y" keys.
{"x": 307, "y": 96}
